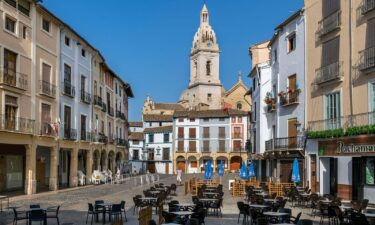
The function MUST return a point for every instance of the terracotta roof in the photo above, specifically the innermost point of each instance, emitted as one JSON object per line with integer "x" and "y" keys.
{"x": 136, "y": 124}
{"x": 158, "y": 129}
{"x": 169, "y": 106}
{"x": 216, "y": 113}
{"x": 136, "y": 136}
{"x": 157, "y": 118}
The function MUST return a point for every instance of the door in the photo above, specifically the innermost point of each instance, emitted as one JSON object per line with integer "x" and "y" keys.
{"x": 313, "y": 173}
{"x": 292, "y": 80}
{"x": 83, "y": 127}
{"x": 46, "y": 119}
{"x": 10, "y": 62}
{"x": 292, "y": 133}
{"x": 166, "y": 168}
{"x": 181, "y": 165}
{"x": 41, "y": 171}
{"x": 286, "y": 171}
{"x": 333, "y": 176}
{"x": 67, "y": 121}
{"x": 357, "y": 190}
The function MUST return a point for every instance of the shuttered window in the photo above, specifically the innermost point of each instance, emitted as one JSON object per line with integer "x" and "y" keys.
{"x": 221, "y": 132}
{"x": 331, "y": 51}
{"x": 180, "y": 132}
{"x": 370, "y": 33}
{"x": 206, "y": 146}
{"x": 180, "y": 146}
{"x": 206, "y": 132}
{"x": 192, "y": 133}
{"x": 236, "y": 145}
{"x": 46, "y": 73}
{"x": 330, "y": 6}
{"x": 192, "y": 146}
{"x": 222, "y": 145}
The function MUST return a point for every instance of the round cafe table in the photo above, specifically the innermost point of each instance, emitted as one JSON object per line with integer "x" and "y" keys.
{"x": 106, "y": 207}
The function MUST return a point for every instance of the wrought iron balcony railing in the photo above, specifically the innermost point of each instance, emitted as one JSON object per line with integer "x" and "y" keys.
{"x": 286, "y": 143}
{"x": 329, "y": 23}
{"x": 46, "y": 129}
{"x": 14, "y": 79}
{"x": 120, "y": 141}
{"x": 289, "y": 98}
{"x": 70, "y": 134}
{"x": 118, "y": 114}
{"x": 329, "y": 73}
{"x": 104, "y": 107}
{"x": 85, "y": 136}
{"x": 17, "y": 124}
{"x": 367, "y": 6}
{"x": 85, "y": 97}
{"x": 69, "y": 89}
{"x": 367, "y": 58}
{"x": 110, "y": 111}
{"x": 98, "y": 101}
{"x": 47, "y": 89}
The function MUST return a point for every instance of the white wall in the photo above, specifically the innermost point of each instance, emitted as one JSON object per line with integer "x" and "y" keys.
{"x": 324, "y": 175}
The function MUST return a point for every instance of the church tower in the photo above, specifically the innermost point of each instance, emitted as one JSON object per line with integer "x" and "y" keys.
{"x": 205, "y": 90}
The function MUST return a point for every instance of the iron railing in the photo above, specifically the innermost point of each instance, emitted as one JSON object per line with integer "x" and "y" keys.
{"x": 47, "y": 88}
{"x": 85, "y": 97}
{"x": 289, "y": 98}
{"x": 99, "y": 137}
{"x": 237, "y": 135}
{"x": 367, "y": 58}
{"x": 69, "y": 89}
{"x": 367, "y": 6}
{"x": 14, "y": 79}
{"x": 120, "y": 141}
{"x": 122, "y": 116}
{"x": 46, "y": 129}
{"x": 104, "y": 107}
{"x": 16, "y": 124}
{"x": 329, "y": 23}
{"x": 118, "y": 114}
{"x": 85, "y": 136}
{"x": 343, "y": 122}
{"x": 285, "y": 143}
{"x": 98, "y": 101}
{"x": 70, "y": 134}
{"x": 110, "y": 111}
{"x": 12, "y": 2}
{"x": 329, "y": 73}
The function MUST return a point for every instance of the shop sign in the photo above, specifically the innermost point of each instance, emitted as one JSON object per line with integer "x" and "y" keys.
{"x": 352, "y": 148}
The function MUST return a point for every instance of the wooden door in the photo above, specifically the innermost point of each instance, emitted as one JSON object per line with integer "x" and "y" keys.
{"x": 67, "y": 119}
{"x": 292, "y": 132}
{"x": 166, "y": 168}
{"x": 41, "y": 171}
{"x": 235, "y": 163}
{"x": 286, "y": 171}
{"x": 10, "y": 62}
{"x": 313, "y": 173}
{"x": 181, "y": 166}
{"x": 151, "y": 167}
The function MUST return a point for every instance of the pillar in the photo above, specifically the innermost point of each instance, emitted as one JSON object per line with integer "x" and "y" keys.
{"x": 53, "y": 169}
{"x": 73, "y": 179}
{"x": 89, "y": 164}
{"x": 214, "y": 164}
{"x": 30, "y": 176}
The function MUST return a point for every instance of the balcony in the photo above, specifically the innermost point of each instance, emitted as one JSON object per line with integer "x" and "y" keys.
{"x": 98, "y": 101}
{"x": 205, "y": 150}
{"x": 104, "y": 107}
{"x": 121, "y": 142}
{"x": 367, "y": 6}
{"x": 47, "y": 89}
{"x": 237, "y": 136}
{"x": 328, "y": 24}
{"x": 118, "y": 114}
{"x": 192, "y": 150}
{"x": 238, "y": 149}
{"x": 85, "y": 97}
{"x": 69, "y": 89}
{"x": 70, "y": 134}
{"x": 14, "y": 79}
{"x": 135, "y": 157}
{"x": 17, "y": 124}
{"x": 110, "y": 111}
{"x": 99, "y": 137}
{"x": 286, "y": 143}
{"x": 111, "y": 139}
{"x": 85, "y": 136}
{"x": 46, "y": 129}
{"x": 290, "y": 97}
{"x": 367, "y": 59}
{"x": 329, "y": 73}
{"x": 122, "y": 116}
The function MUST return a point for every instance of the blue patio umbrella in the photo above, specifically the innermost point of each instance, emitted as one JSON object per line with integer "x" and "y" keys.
{"x": 208, "y": 171}
{"x": 296, "y": 178}
{"x": 251, "y": 169}
{"x": 221, "y": 169}
{"x": 244, "y": 173}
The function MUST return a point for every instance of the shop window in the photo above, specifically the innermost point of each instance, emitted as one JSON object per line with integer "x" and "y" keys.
{"x": 369, "y": 171}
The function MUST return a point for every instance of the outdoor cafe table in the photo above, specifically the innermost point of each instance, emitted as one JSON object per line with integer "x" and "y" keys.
{"x": 269, "y": 200}
{"x": 370, "y": 215}
{"x": 275, "y": 214}
{"x": 210, "y": 193}
{"x": 105, "y": 207}
{"x": 262, "y": 194}
{"x": 148, "y": 199}
{"x": 259, "y": 206}
{"x": 28, "y": 211}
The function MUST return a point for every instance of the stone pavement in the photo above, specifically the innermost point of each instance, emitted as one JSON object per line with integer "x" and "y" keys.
{"x": 74, "y": 202}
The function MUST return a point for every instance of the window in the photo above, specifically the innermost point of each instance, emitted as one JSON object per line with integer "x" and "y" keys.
{"x": 135, "y": 142}
{"x": 206, "y": 119}
{"x": 135, "y": 154}
{"x": 208, "y": 68}
{"x": 221, "y": 119}
{"x": 237, "y": 145}
{"x": 116, "y": 88}
{"x": 209, "y": 96}
{"x": 11, "y": 106}
{"x": 206, "y": 132}
{"x": 83, "y": 53}
{"x": 331, "y": 52}
{"x": 255, "y": 112}
{"x": 237, "y": 132}
{"x": 67, "y": 73}
{"x": 166, "y": 137}
{"x": 10, "y": 24}
{"x": 206, "y": 146}
{"x": 46, "y": 76}
{"x": 292, "y": 42}
{"x": 372, "y": 102}
{"x": 119, "y": 92}
{"x": 24, "y": 32}
{"x": 192, "y": 119}
{"x": 180, "y": 146}
{"x": 180, "y": 119}
{"x": 369, "y": 171}
{"x": 83, "y": 127}
{"x": 192, "y": 133}
{"x": 180, "y": 132}
{"x": 10, "y": 62}
{"x": 24, "y": 7}
{"x": 192, "y": 146}
{"x": 330, "y": 6}
{"x": 165, "y": 153}
{"x": 221, "y": 132}
{"x": 11, "y": 2}
{"x": 233, "y": 119}
{"x": 254, "y": 83}
{"x": 239, "y": 119}
{"x": 160, "y": 123}
{"x": 67, "y": 41}
{"x": 332, "y": 111}
{"x": 151, "y": 138}
{"x": 239, "y": 106}
{"x": 46, "y": 25}
{"x": 221, "y": 145}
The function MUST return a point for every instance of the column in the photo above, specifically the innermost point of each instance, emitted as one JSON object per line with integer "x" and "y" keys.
{"x": 73, "y": 179}
{"x": 53, "y": 169}
{"x": 214, "y": 164}
{"x": 89, "y": 164}
{"x": 30, "y": 175}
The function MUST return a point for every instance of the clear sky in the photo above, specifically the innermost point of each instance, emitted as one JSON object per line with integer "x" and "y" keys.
{"x": 147, "y": 42}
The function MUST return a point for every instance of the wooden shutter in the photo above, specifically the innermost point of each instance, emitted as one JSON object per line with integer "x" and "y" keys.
{"x": 237, "y": 145}
{"x": 180, "y": 146}
{"x": 206, "y": 146}
{"x": 222, "y": 145}
{"x": 180, "y": 132}
{"x": 206, "y": 132}
{"x": 292, "y": 129}
{"x": 46, "y": 73}
{"x": 370, "y": 33}
{"x": 10, "y": 62}
{"x": 331, "y": 51}
{"x": 330, "y": 6}
{"x": 221, "y": 132}
{"x": 192, "y": 146}
{"x": 192, "y": 133}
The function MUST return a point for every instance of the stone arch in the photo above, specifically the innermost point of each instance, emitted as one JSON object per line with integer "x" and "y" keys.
{"x": 103, "y": 160}
{"x": 235, "y": 163}
{"x": 96, "y": 160}
{"x": 203, "y": 161}
{"x": 119, "y": 160}
{"x": 192, "y": 165}
{"x": 180, "y": 163}
{"x": 224, "y": 160}
{"x": 111, "y": 161}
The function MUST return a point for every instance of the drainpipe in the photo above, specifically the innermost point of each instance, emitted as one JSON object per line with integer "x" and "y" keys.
{"x": 350, "y": 64}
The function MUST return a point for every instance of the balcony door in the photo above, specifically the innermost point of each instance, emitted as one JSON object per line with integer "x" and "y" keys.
{"x": 83, "y": 127}
{"x": 46, "y": 119}
{"x": 10, "y": 112}
{"x": 292, "y": 133}
{"x": 67, "y": 121}
{"x": 67, "y": 73}
{"x": 332, "y": 111}
{"x": 10, "y": 67}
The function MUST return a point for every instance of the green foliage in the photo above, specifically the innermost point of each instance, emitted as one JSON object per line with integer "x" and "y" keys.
{"x": 334, "y": 133}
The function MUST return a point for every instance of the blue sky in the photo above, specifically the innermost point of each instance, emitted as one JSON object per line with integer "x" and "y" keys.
{"x": 147, "y": 42}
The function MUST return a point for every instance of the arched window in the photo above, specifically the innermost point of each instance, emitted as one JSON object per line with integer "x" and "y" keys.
{"x": 195, "y": 68}
{"x": 208, "y": 68}
{"x": 239, "y": 106}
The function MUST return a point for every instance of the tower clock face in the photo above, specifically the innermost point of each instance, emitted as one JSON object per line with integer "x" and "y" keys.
{"x": 209, "y": 44}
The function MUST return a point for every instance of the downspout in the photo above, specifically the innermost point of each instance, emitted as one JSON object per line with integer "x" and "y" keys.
{"x": 350, "y": 64}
